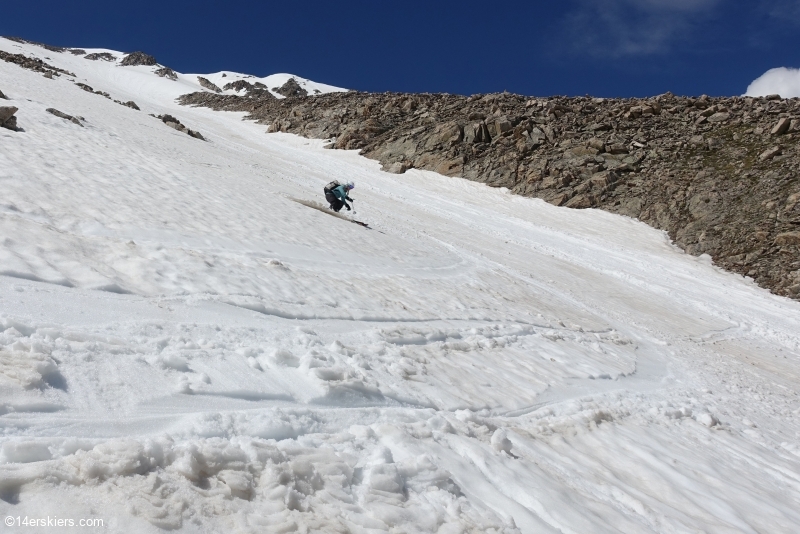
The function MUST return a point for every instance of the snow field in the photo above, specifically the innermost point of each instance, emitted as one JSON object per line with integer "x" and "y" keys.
{"x": 183, "y": 346}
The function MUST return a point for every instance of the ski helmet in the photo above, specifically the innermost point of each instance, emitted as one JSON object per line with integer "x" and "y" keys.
{"x": 351, "y": 185}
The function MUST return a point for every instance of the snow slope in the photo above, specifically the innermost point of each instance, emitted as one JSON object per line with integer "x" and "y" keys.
{"x": 184, "y": 346}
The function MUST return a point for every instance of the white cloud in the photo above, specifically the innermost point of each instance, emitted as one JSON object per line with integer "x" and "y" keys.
{"x": 781, "y": 81}
{"x": 615, "y": 28}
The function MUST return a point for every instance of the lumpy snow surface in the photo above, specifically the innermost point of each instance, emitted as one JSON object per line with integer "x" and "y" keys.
{"x": 186, "y": 343}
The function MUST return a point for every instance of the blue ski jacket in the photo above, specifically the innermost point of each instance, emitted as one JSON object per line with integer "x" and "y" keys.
{"x": 341, "y": 193}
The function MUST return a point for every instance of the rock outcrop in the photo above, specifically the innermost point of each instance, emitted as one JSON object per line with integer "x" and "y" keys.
{"x": 34, "y": 64}
{"x": 64, "y": 116}
{"x": 172, "y": 122}
{"x": 89, "y": 89}
{"x": 7, "y": 118}
{"x": 205, "y": 82}
{"x": 256, "y": 88}
{"x": 290, "y": 88}
{"x": 138, "y": 58}
{"x": 105, "y": 56}
{"x": 720, "y": 175}
{"x": 166, "y": 72}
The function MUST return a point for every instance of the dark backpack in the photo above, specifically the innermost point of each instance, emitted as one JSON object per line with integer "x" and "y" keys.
{"x": 331, "y": 186}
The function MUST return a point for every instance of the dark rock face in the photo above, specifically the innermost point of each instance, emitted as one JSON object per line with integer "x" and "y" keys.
{"x": 77, "y": 51}
{"x": 290, "y": 88}
{"x": 7, "y": 118}
{"x": 131, "y": 104}
{"x": 205, "y": 82}
{"x": 2, "y": 96}
{"x": 166, "y": 72}
{"x": 63, "y": 115}
{"x": 105, "y": 56}
{"x": 138, "y": 58}
{"x": 720, "y": 175}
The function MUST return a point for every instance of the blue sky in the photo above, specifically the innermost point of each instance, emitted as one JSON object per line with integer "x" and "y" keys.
{"x": 571, "y": 47}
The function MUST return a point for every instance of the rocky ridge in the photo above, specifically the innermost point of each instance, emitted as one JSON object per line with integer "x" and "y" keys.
{"x": 720, "y": 175}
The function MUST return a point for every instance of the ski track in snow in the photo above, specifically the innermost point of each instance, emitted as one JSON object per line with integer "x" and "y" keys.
{"x": 184, "y": 346}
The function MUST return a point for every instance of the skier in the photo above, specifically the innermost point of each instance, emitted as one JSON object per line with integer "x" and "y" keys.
{"x": 337, "y": 195}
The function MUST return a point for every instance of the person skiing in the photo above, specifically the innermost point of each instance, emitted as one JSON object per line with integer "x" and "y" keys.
{"x": 337, "y": 195}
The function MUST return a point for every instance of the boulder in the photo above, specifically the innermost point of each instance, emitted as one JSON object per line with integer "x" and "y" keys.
{"x": 398, "y": 167}
{"x": 131, "y": 104}
{"x": 450, "y": 167}
{"x": 617, "y": 148}
{"x": 782, "y": 126}
{"x": 205, "y": 82}
{"x": 7, "y": 112}
{"x": 4, "y": 97}
{"x": 477, "y": 133}
{"x": 579, "y": 202}
{"x": 597, "y": 144}
{"x": 603, "y": 179}
{"x": 138, "y": 58}
{"x": 10, "y": 124}
{"x": 769, "y": 153}
{"x": 787, "y": 239}
{"x": 697, "y": 140}
{"x": 719, "y": 117}
{"x": 446, "y": 134}
{"x": 581, "y": 152}
{"x": 7, "y": 118}
{"x": 502, "y": 126}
